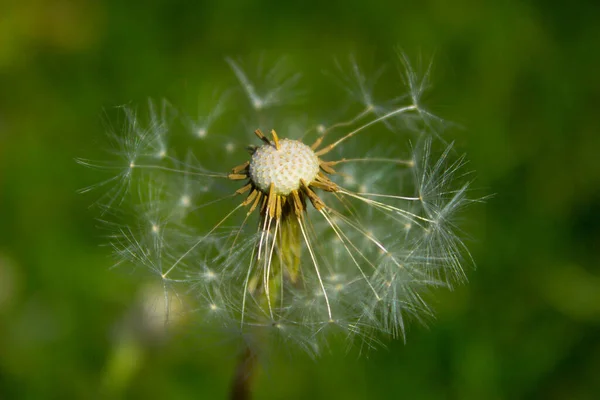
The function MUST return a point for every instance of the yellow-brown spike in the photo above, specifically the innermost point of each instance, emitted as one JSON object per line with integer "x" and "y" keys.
{"x": 326, "y": 166}
{"x": 317, "y": 143}
{"x": 244, "y": 189}
{"x": 324, "y": 150}
{"x": 323, "y": 182}
{"x": 253, "y": 194}
{"x": 265, "y": 202}
{"x": 240, "y": 168}
{"x": 259, "y": 196}
{"x": 312, "y": 196}
{"x": 278, "y": 206}
{"x": 298, "y": 204}
{"x": 275, "y": 139}
{"x": 261, "y": 136}
{"x": 237, "y": 177}
{"x": 272, "y": 201}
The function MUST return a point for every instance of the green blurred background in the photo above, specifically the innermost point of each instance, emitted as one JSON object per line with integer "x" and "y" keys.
{"x": 521, "y": 76}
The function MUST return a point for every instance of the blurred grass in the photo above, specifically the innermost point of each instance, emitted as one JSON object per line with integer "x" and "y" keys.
{"x": 520, "y": 76}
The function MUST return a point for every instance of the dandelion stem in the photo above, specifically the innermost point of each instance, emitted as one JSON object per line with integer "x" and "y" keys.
{"x": 244, "y": 372}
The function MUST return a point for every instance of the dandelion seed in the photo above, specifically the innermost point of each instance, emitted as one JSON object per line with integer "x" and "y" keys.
{"x": 185, "y": 200}
{"x": 230, "y": 147}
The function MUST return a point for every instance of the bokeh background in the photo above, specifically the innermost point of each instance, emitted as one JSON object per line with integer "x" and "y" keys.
{"x": 520, "y": 76}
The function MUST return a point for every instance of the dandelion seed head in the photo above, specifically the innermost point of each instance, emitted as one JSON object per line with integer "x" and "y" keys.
{"x": 321, "y": 233}
{"x": 285, "y": 167}
{"x": 257, "y": 104}
{"x": 210, "y": 275}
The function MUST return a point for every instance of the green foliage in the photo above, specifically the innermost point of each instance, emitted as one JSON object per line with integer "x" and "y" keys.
{"x": 520, "y": 77}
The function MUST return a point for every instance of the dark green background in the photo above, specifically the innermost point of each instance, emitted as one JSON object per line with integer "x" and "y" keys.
{"x": 521, "y": 76}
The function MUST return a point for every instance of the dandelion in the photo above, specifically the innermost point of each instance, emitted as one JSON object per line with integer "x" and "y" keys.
{"x": 321, "y": 230}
